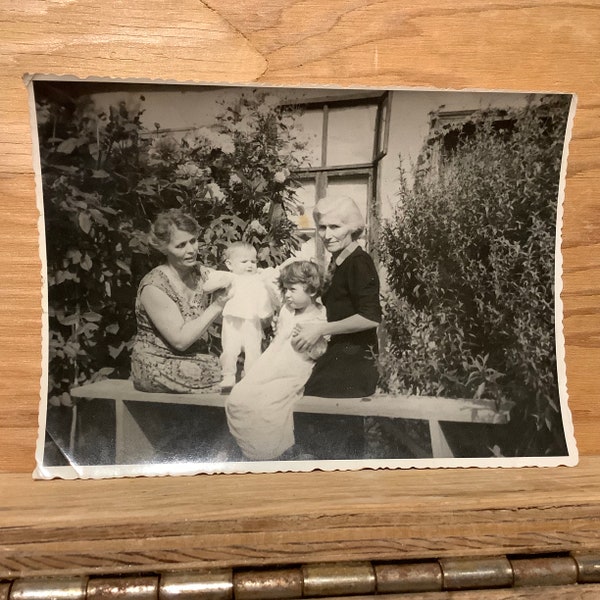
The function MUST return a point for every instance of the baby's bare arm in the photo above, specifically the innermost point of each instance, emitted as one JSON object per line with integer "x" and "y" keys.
{"x": 217, "y": 280}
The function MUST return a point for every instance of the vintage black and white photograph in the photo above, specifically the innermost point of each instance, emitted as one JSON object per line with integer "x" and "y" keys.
{"x": 263, "y": 279}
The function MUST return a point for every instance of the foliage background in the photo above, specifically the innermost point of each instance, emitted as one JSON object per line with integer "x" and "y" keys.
{"x": 105, "y": 177}
{"x": 470, "y": 269}
{"x": 468, "y": 255}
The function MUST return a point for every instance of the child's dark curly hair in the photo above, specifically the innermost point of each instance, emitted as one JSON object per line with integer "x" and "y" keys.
{"x": 302, "y": 271}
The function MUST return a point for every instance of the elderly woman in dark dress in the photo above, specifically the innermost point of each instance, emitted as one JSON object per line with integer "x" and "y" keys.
{"x": 348, "y": 369}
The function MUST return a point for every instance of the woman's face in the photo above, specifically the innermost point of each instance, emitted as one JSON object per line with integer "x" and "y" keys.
{"x": 336, "y": 234}
{"x": 182, "y": 249}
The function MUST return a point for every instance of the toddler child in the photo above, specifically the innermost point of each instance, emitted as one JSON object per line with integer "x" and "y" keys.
{"x": 250, "y": 303}
{"x": 260, "y": 408}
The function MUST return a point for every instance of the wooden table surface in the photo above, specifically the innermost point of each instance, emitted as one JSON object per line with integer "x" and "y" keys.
{"x": 121, "y": 525}
{"x": 254, "y": 520}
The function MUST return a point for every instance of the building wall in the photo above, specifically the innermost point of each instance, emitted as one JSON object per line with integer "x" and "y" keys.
{"x": 183, "y": 107}
{"x": 409, "y": 127}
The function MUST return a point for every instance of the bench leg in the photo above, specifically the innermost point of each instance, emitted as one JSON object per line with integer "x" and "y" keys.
{"x": 131, "y": 444}
{"x": 439, "y": 445}
{"x": 73, "y": 432}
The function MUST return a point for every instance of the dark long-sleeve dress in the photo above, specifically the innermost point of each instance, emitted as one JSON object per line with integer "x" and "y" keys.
{"x": 348, "y": 369}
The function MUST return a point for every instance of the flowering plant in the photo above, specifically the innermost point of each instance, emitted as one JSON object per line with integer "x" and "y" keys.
{"x": 105, "y": 178}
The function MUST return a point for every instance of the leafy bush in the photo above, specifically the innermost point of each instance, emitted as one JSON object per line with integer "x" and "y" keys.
{"x": 470, "y": 269}
{"x": 105, "y": 177}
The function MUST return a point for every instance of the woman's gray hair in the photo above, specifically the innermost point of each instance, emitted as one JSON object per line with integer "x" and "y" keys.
{"x": 345, "y": 208}
{"x": 162, "y": 228}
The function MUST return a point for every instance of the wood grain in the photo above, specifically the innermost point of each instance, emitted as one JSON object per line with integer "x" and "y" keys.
{"x": 129, "y": 525}
{"x": 252, "y": 520}
{"x": 532, "y": 46}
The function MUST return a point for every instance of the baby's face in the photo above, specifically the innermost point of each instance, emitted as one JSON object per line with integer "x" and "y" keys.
{"x": 242, "y": 262}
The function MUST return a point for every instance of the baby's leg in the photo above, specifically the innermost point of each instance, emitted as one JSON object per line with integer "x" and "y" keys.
{"x": 252, "y": 335}
{"x": 231, "y": 340}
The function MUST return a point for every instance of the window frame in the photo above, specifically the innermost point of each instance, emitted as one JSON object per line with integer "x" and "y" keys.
{"x": 321, "y": 174}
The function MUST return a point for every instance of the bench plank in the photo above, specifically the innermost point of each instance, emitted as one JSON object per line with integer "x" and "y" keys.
{"x": 425, "y": 408}
{"x": 122, "y": 389}
{"x": 132, "y": 445}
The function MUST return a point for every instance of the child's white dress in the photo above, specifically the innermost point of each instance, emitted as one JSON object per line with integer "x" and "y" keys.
{"x": 260, "y": 408}
{"x": 252, "y": 298}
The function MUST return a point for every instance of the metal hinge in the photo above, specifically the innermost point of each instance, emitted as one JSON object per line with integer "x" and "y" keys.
{"x": 319, "y": 580}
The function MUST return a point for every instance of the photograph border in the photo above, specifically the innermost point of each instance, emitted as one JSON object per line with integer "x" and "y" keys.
{"x": 180, "y": 468}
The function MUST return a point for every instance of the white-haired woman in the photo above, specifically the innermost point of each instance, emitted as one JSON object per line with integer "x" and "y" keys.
{"x": 348, "y": 368}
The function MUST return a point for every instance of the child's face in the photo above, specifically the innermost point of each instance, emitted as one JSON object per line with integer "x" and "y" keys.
{"x": 296, "y": 297}
{"x": 242, "y": 261}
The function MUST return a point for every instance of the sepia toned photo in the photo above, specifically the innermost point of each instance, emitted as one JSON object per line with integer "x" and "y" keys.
{"x": 242, "y": 279}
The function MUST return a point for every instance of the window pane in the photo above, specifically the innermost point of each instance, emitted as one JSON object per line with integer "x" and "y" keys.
{"x": 351, "y": 135}
{"x": 355, "y": 187}
{"x": 306, "y": 197}
{"x": 308, "y": 248}
{"x": 309, "y": 130}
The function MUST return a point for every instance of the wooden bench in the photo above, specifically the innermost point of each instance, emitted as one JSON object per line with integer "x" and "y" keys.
{"x": 131, "y": 441}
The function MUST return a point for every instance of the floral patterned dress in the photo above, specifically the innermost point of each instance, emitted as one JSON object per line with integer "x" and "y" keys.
{"x": 158, "y": 367}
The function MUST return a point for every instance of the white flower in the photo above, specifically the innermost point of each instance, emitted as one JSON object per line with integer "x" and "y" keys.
{"x": 189, "y": 169}
{"x": 191, "y": 139}
{"x": 281, "y": 176}
{"x": 234, "y": 179}
{"x": 226, "y": 144}
{"x": 245, "y": 125}
{"x": 204, "y": 132}
{"x": 215, "y": 191}
{"x": 163, "y": 146}
{"x": 257, "y": 227}
{"x": 263, "y": 110}
{"x": 222, "y": 141}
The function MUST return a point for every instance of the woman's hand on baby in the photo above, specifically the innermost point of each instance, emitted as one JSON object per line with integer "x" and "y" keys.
{"x": 306, "y": 335}
{"x": 220, "y": 297}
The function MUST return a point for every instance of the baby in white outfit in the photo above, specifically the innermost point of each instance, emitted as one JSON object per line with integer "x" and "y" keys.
{"x": 250, "y": 303}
